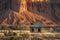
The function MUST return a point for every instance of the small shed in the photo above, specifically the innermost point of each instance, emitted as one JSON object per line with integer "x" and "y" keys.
{"x": 36, "y": 27}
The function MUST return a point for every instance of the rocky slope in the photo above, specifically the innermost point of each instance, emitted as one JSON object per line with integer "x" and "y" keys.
{"x": 24, "y": 17}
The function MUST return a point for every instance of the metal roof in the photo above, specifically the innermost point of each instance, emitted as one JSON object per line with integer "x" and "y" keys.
{"x": 36, "y": 24}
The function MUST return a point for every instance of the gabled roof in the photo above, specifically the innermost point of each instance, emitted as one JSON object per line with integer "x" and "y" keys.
{"x": 36, "y": 24}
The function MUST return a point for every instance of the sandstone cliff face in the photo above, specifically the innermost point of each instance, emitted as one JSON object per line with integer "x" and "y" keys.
{"x": 33, "y": 13}
{"x": 46, "y": 9}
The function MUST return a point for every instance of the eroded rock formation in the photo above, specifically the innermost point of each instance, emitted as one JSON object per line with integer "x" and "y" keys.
{"x": 12, "y": 14}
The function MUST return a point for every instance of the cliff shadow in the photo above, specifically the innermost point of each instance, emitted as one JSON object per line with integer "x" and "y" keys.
{"x": 15, "y": 5}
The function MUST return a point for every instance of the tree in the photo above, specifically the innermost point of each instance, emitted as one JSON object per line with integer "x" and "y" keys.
{"x": 12, "y": 38}
{"x": 0, "y": 26}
